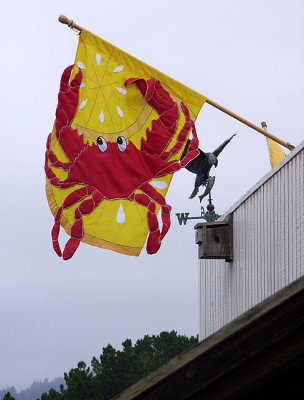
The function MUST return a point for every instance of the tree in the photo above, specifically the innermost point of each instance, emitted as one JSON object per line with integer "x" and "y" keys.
{"x": 8, "y": 397}
{"x": 52, "y": 395}
{"x": 115, "y": 370}
{"x": 79, "y": 383}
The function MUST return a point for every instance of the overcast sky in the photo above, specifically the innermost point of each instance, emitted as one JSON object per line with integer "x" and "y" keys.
{"x": 246, "y": 55}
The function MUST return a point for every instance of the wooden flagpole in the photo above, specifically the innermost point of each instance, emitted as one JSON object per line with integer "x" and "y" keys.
{"x": 71, "y": 24}
{"x": 250, "y": 124}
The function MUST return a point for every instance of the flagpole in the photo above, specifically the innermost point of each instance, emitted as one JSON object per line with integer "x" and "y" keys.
{"x": 71, "y": 24}
{"x": 250, "y": 124}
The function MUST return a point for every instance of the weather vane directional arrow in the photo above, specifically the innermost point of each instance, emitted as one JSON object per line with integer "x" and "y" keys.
{"x": 208, "y": 215}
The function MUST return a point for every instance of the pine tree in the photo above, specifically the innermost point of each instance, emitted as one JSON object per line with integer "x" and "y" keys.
{"x": 8, "y": 397}
{"x": 115, "y": 370}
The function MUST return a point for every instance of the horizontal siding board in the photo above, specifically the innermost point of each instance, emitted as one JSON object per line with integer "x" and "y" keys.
{"x": 268, "y": 248}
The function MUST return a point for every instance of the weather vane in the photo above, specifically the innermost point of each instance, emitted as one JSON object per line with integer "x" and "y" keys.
{"x": 201, "y": 166}
{"x": 209, "y": 215}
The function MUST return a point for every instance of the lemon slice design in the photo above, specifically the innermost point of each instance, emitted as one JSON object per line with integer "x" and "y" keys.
{"x": 106, "y": 106}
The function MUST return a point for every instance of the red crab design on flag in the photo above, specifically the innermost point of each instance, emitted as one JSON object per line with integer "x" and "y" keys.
{"x": 91, "y": 165}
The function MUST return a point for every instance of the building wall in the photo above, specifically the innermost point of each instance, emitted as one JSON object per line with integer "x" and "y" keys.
{"x": 268, "y": 247}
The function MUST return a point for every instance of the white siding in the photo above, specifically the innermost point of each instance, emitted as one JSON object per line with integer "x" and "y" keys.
{"x": 268, "y": 247}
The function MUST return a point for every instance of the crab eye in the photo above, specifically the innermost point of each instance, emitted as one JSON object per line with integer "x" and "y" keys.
{"x": 121, "y": 143}
{"x": 102, "y": 144}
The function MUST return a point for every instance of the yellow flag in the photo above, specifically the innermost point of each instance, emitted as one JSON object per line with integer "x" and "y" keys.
{"x": 276, "y": 153}
{"x": 120, "y": 130}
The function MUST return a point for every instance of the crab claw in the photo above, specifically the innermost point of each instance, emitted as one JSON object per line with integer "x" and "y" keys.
{"x": 158, "y": 98}
{"x": 147, "y": 88}
{"x": 67, "y": 98}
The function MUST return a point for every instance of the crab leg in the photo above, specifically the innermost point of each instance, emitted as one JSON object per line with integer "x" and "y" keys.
{"x": 148, "y": 199}
{"x": 153, "y": 242}
{"x": 50, "y": 155}
{"x": 86, "y": 207}
{"x": 69, "y": 201}
{"x": 153, "y": 193}
{"x": 56, "y": 181}
{"x": 170, "y": 169}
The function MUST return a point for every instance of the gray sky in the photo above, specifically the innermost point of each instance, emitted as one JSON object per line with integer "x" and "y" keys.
{"x": 246, "y": 55}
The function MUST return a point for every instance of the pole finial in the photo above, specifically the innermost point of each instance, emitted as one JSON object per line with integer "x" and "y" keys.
{"x": 264, "y": 125}
{"x": 63, "y": 19}
{"x": 69, "y": 22}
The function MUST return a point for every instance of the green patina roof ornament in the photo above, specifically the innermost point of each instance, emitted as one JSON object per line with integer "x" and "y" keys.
{"x": 201, "y": 166}
{"x": 209, "y": 215}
